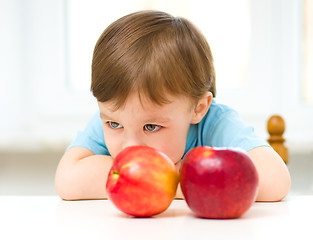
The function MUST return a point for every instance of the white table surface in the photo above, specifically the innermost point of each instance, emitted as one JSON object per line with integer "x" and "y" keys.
{"x": 48, "y": 217}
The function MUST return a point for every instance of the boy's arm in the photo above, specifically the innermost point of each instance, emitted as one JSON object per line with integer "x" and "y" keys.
{"x": 274, "y": 178}
{"x": 82, "y": 175}
{"x": 179, "y": 193}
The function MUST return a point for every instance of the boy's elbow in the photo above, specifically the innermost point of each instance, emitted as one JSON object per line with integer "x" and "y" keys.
{"x": 274, "y": 177}
{"x": 285, "y": 188}
{"x": 68, "y": 193}
{"x": 66, "y": 186}
{"x": 65, "y": 195}
{"x": 74, "y": 187}
{"x": 275, "y": 190}
{"x": 63, "y": 190}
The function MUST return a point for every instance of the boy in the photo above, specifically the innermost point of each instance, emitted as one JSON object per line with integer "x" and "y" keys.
{"x": 154, "y": 79}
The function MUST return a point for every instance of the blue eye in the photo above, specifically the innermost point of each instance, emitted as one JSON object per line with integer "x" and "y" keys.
{"x": 152, "y": 127}
{"x": 114, "y": 125}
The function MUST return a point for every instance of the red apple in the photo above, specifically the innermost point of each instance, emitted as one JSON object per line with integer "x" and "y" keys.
{"x": 218, "y": 182}
{"x": 142, "y": 182}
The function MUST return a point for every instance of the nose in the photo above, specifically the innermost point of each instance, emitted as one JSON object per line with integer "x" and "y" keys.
{"x": 133, "y": 140}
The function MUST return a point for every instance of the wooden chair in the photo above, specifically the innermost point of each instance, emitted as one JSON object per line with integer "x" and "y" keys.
{"x": 276, "y": 129}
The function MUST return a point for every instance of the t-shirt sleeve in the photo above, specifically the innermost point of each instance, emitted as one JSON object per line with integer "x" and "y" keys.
{"x": 230, "y": 131}
{"x": 92, "y": 137}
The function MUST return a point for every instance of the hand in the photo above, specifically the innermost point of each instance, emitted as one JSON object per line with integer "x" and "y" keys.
{"x": 179, "y": 194}
{"x": 178, "y": 165}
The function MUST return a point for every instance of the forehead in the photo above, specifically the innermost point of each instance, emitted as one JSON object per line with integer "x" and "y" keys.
{"x": 141, "y": 106}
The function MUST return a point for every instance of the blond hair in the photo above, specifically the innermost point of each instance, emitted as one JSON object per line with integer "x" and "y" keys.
{"x": 154, "y": 54}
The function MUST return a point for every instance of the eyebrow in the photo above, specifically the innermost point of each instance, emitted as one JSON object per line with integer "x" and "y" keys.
{"x": 102, "y": 115}
{"x": 158, "y": 120}
{"x": 151, "y": 120}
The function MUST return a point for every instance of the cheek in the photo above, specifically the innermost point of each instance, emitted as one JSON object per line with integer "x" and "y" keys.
{"x": 113, "y": 149}
{"x": 174, "y": 143}
{"x": 175, "y": 150}
{"x": 112, "y": 143}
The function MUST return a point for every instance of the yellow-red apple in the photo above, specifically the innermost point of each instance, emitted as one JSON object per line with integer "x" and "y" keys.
{"x": 142, "y": 181}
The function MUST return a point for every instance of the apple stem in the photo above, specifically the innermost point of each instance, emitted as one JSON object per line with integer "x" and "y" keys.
{"x": 115, "y": 172}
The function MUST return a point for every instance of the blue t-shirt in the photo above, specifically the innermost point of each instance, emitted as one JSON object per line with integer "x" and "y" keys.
{"x": 220, "y": 127}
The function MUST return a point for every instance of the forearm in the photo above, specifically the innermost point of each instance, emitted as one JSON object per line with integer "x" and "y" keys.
{"x": 83, "y": 179}
{"x": 274, "y": 178}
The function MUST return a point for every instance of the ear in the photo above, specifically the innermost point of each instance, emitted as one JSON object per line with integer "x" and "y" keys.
{"x": 201, "y": 108}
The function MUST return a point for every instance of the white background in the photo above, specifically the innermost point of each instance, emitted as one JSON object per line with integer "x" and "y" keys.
{"x": 44, "y": 87}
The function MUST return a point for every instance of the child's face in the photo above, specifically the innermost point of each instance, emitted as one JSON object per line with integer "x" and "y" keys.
{"x": 144, "y": 123}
